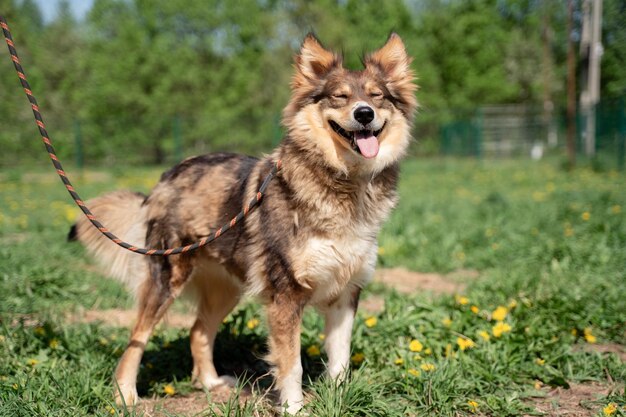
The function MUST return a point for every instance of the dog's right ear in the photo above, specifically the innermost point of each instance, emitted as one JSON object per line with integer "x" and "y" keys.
{"x": 313, "y": 61}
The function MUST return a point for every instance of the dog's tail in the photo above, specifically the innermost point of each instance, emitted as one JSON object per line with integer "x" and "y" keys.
{"x": 123, "y": 214}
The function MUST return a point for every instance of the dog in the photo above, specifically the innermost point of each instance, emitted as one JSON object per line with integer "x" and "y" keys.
{"x": 311, "y": 242}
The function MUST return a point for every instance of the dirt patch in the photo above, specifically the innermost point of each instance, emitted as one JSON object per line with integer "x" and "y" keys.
{"x": 615, "y": 348}
{"x": 372, "y": 304}
{"x": 577, "y": 401}
{"x": 126, "y": 318}
{"x": 406, "y": 281}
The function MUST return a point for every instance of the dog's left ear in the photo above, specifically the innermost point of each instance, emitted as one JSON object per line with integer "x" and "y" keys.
{"x": 394, "y": 64}
{"x": 391, "y": 59}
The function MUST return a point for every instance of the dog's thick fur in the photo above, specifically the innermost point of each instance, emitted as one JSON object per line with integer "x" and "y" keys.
{"x": 312, "y": 241}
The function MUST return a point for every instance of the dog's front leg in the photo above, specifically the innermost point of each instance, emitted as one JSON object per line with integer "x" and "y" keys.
{"x": 284, "y": 315}
{"x": 339, "y": 320}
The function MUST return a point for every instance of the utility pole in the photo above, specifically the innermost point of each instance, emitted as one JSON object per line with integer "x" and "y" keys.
{"x": 591, "y": 49}
{"x": 571, "y": 87}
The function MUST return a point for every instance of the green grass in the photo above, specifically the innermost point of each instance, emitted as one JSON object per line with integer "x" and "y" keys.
{"x": 549, "y": 245}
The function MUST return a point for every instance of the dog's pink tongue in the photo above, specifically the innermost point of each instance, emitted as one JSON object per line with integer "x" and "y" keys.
{"x": 367, "y": 143}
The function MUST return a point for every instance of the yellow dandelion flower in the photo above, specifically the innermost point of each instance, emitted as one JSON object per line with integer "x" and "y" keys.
{"x": 540, "y": 361}
{"x": 40, "y": 331}
{"x": 381, "y": 251}
{"x": 32, "y": 361}
{"x": 428, "y": 351}
{"x": 465, "y": 343}
{"x": 474, "y": 309}
{"x": 54, "y": 343}
{"x": 585, "y": 216}
{"x": 70, "y": 213}
{"x": 610, "y": 409}
{"x": 417, "y": 357}
{"x": 252, "y": 323}
{"x": 538, "y": 384}
{"x": 512, "y": 304}
{"x": 616, "y": 209}
{"x": 357, "y": 358}
{"x": 427, "y": 367}
{"x": 313, "y": 350}
{"x": 484, "y": 335}
{"x": 399, "y": 361}
{"x": 461, "y": 299}
{"x": 103, "y": 341}
{"x": 447, "y": 322}
{"x": 322, "y": 336}
{"x": 500, "y": 328}
{"x": 574, "y": 332}
{"x": 473, "y": 405}
{"x": 499, "y": 313}
{"x": 415, "y": 346}
{"x": 590, "y": 338}
{"x": 169, "y": 389}
{"x": 414, "y": 372}
{"x": 371, "y": 321}
{"x": 1, "y": 338}
{"x": 110, "y": 409}
{"x": 15, "y": 386}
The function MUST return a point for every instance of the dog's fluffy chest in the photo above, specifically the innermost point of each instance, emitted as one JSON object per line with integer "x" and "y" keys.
{"x": 344, "y": 254}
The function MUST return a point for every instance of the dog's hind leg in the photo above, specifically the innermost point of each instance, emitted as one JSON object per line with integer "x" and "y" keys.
{"x": 217, "y": 295}
{"x": 155, "y": 296}
{"x": 339, "y": 320}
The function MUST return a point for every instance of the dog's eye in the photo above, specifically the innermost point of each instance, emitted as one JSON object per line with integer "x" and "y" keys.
{"x": 340, "y": 96}
{"x": 376, "y": 94}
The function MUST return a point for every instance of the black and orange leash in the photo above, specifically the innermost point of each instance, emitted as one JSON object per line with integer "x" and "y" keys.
{"x": 247, "y": 209}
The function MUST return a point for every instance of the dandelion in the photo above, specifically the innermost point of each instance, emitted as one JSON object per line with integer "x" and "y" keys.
{"x": 15, "y": 386}
{"x": 540, "y": 361}
{"x": 414, "y": 372}
{"x": 616, "y": 209}
{"x": 589, "y": 337}
{"x": 399, "y": 361}
{"x": 32, "y": 361}
{"x": 585, "y": 216}
{"x": 500, "y": 328}
{"x": 474, "y": 309}
{"x": 427, "y": 367}
{"x": 484, "y": 335}
{"x": 499, "y": 313}
{"x": 461, "y": 299}
{"x": 465, "y": 343}
{"x": 381, "y": 251}
{"x": 417, "y": 357}
{"x": 415, "y": 346}
{"x": 428, "y": 351}
{"x": 110, "y": 409}
{"x": 103, "y": 341}
{"x": 371, "y": 321}
{"x": 473, "y": 406}
{"x": 40, "y": 331}
{"x": 169, "y": 389}
{"x": 512, "y": 304}
{"x": 447, "y": 322}
{"x": 322, "y": 336}
{"x": 54, "y": 343}
{"x": 574, "y": 332}
{"x": 1, "y": 338}
{"x": 610, "y": 409}
{"x": 357, "y": 358}
{"x": 313, "y": 351}
{"x": 252, "y": 323}
{"x": 538, "y": 384}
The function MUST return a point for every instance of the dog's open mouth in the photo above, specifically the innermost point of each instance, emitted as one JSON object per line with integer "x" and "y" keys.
{"x": 364, "y": 142}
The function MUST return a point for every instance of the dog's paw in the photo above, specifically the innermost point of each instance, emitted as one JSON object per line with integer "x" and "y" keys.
{"x": 126, "y": 396}
{"x": 222, "y": 381}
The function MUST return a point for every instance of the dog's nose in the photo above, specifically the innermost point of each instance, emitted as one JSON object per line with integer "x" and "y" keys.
{"x": 364, "y": 114}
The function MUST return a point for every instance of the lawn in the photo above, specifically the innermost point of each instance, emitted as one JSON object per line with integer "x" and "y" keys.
{"x": 547, "y": 310}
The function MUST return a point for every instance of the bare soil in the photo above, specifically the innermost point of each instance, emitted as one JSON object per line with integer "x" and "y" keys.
{"x": 577, "y": 401}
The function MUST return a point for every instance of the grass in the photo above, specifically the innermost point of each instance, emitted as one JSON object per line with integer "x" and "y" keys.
{"x": 550, "y": 247}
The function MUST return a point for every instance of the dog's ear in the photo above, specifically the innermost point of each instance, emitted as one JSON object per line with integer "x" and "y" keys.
{"x": 313, "y": 61}
{"x": 393, "y": 63}
{"x": 391, "y": 59}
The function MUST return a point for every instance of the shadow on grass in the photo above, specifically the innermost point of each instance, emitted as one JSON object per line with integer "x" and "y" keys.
{"x": 237, "y": 355}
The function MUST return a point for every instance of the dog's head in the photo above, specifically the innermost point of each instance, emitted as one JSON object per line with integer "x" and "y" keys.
{"x": 358, "y": 120}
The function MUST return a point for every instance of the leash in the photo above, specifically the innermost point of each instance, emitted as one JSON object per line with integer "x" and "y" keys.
{"x": 247, "y": 209}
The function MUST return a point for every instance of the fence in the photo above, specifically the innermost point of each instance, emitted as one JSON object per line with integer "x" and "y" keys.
{"x": 516, "y": 130}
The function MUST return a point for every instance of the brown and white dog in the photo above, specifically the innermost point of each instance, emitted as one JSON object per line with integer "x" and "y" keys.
{"x": 312, "y": 241}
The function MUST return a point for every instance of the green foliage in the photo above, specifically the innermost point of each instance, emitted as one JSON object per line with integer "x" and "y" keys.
{"x": 131, "y": 68}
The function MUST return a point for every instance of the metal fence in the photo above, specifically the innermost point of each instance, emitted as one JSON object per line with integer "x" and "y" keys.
{"x": 517, "y": 130}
